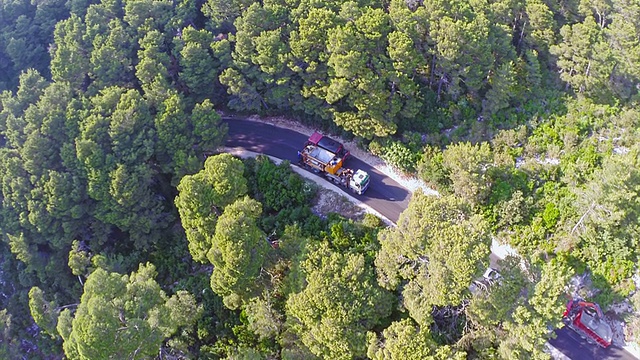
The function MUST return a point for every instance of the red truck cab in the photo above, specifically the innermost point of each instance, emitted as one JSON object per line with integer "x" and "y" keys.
{"x": 328, "y": 144}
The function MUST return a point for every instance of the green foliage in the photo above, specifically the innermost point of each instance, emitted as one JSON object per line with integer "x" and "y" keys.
{"x": 198, "y": 70}
{"x": 346, "y": 235}
{"x": 405, "y": 340}
{"x": 237, "y": 252}
{"x": 510, "y": 202}
{"x": 467, "y": 166}
{"x": 585, "y": 58}
{"x": 339, "y": 304}
{"x": 263, "y": 319}
{"x": 125, "y": 316}
{"x": 396, "y": 154}
{"x": 525, "y": 303}
{"x": 278, "y": 187}
{"x": 606, "y": 207}
{"x": 79, "y": 259}
{"x": 10, "y": 346}
{"x": 439, "y": 247}
{"x": 203, "y": 196}
{"x": 44, "y": 312}
{"x": 92, "y": 149}
{"x": 550, "y": 215}
{"x": 70, "y": 60}
{"x": 431, "y": 169}
{"x": 210, "y": 336}
{"x": 208, "y": 130}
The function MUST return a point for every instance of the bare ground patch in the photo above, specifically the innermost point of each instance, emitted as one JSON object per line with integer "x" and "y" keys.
{"x": 329, "y": 201}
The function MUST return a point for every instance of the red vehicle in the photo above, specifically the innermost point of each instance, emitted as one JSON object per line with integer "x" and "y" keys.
{"x": 587, "y": 319}
{"x": 328, "y": 144}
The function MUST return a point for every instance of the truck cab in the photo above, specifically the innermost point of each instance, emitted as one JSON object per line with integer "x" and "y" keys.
{"x": 359, "y": 182}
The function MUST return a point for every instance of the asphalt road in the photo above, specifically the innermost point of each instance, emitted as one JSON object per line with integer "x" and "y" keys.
{"x": 389, "y": 198}
{"x": 385, "y": 195}
{"x": 576, "y": 348}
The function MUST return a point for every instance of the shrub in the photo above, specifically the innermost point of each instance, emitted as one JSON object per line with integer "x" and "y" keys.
{"x": 278, "y": 187}
{"x": 431, "y": 169}
{"x": 396, "y": 154}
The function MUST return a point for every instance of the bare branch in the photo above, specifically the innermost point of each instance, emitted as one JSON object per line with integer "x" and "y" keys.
{"x": 583, "y": 217}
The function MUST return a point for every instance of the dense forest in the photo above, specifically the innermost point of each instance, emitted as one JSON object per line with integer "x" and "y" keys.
{"x": 126, "y": 235}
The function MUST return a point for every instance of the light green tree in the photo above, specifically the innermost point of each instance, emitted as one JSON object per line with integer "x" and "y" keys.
{"x": 124, "y": 316}
{"x": 263, "y": 317}
{"x": 467, "y": 166}
{"x": 202, "y": 197}
{"x": 405, "y": 340}
{"x": 44, "y": 312}
{"x": 433, "y": 255}
{"x": 70, "y": 59}
{"x": 338, "y": 305}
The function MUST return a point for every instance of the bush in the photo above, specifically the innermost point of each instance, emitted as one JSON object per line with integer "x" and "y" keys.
{"x": 309, "y": 223}
{"x": 346, "y": 235}
{"x": 278, "y": 187}
{"x": 396, "y": 154}
{"x": 431, "y": 169}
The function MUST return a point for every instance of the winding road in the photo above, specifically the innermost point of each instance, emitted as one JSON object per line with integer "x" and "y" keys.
{"x": 389, "y": 198}
{"x": 384, "y": 195}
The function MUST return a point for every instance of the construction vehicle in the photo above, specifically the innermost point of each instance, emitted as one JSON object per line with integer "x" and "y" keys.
{"x": 588, "y": 321}
{"x": 324, "y": 155}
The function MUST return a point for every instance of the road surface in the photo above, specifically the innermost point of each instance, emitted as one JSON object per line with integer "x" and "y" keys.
{"x": 389, "y": 198}
{"x": 384, "y": 195}
{"x": 576, "y": 348}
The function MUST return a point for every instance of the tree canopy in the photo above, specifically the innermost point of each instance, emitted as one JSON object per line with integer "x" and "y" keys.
{"x": 522, "y": 114}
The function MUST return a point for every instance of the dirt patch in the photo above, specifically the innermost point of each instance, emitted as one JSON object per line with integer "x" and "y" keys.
{"x": 329, "y": 201}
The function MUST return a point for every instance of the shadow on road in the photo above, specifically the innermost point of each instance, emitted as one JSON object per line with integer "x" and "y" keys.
{"x": 576, "y": 348}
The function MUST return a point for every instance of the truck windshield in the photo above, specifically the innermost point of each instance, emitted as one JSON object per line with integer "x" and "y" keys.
{"x": 364, "y": 180}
